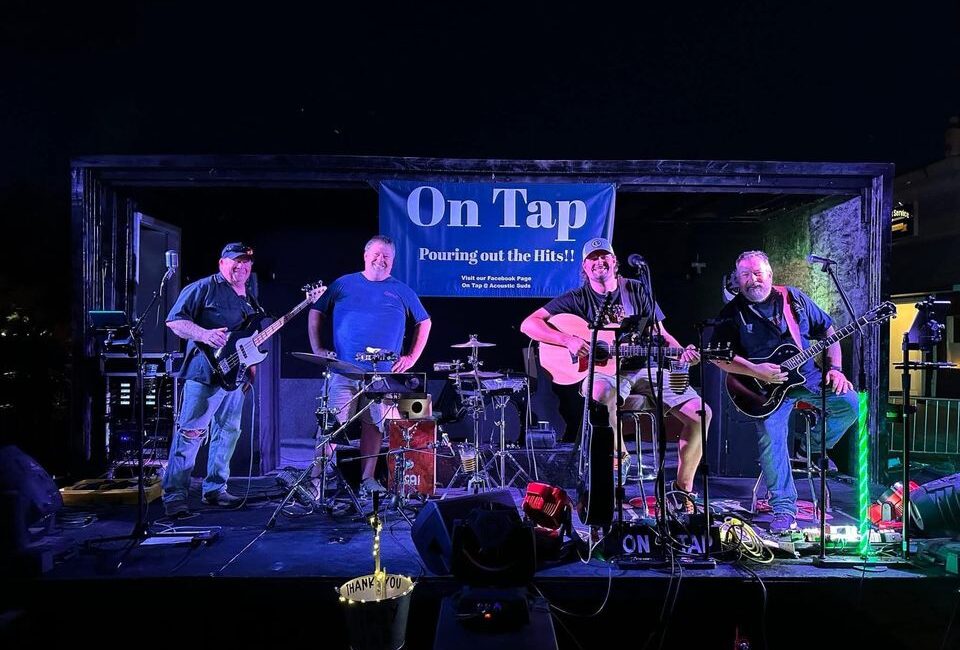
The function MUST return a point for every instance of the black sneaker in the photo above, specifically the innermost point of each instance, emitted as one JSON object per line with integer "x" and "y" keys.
{"x": 681, "y": 500}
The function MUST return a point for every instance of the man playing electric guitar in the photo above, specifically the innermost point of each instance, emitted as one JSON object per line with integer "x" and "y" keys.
{"x": 205, "y": 312}
{"x": 628, "y": 299}
{"x": 759, "y": 319}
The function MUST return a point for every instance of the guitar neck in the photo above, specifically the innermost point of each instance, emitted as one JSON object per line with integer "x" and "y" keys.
{"x": 630, "y": 350}
{"x": 798, "y": 360}
{"x": 277, "y": 324}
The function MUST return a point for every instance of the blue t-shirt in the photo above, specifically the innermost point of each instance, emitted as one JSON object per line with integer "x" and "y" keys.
{"x": 369, "y": 314}
{"x": 210, "y": 303}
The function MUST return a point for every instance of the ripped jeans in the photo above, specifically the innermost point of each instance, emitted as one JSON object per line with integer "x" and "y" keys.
{"x": 207, "y": 413}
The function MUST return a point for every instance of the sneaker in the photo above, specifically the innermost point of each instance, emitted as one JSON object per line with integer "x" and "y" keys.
{"x": 371, "y": 484}
{"x": 221, "y": 498}
{"x": 176, "y": 509}
{"x": 682, "y": 500}
{"x": 782, "y": 522}
{"x": 624, "y": 460}
{"x": 818, "y": 462}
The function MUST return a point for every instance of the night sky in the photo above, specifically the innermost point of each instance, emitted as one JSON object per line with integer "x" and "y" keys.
{"x": 750, "y": 81}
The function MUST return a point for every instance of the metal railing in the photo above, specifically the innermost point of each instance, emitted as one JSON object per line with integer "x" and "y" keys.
{"x": 935, "y": 426}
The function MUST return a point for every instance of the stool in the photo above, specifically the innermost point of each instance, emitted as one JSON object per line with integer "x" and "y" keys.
{"x": 634, "y": 408}
{"x": 809, "y": 413}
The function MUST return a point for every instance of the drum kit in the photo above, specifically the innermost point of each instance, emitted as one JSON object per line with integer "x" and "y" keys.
{"x": 475, "y": 389}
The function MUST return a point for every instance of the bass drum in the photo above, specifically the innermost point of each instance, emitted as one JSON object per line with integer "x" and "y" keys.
{"x": 460, "y": 429}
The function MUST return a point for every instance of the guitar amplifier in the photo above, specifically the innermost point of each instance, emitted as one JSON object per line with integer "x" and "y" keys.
{"x": 394, "y": 385}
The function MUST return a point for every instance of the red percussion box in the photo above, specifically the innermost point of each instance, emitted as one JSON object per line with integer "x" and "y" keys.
{"x": 419, "y": 458}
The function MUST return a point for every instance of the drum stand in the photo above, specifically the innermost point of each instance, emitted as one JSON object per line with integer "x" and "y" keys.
{"x": 399, "y": 500}
{"x": 502, "y": 455}
{"x": 478, "y": 474}
{"x": 321, "y": 459}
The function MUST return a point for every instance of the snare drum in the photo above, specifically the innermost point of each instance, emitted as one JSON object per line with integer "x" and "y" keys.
{"x": 504, "y": 385}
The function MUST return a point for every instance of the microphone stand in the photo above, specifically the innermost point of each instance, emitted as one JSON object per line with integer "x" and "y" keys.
{"x": 827, "y": 267}
{"x": 706, "y": 562}
{"x": 141, "y": 526}
{"x": 660, "y": 487}
{"x": 136, "y": 337}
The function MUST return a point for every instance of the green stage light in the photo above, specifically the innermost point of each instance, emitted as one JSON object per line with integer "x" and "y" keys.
{"x": 863, "y": 479}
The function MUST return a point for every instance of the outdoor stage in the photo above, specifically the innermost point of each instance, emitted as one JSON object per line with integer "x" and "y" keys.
{"x": 249, "y": 583}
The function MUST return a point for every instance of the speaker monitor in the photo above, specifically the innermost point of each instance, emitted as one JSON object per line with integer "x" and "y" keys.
{"x": 432, "y": 532}
{"x": 29, "y": 494}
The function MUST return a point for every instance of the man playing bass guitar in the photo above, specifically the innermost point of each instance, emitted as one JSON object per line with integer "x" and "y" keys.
{"x": 205, "y": 312}
{"x": 627, "y": 299}
{"x": 759, "y": 319}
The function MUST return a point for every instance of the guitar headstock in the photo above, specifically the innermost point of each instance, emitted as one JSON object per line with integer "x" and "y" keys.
{"x": 718, "y": 352}
{"x": 314, "y": 290}
{"x": 880, "y": 313}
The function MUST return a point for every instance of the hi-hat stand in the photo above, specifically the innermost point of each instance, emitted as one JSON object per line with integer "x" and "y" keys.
{"x": 502, "y": 455}
{"x": 474, "y": 466}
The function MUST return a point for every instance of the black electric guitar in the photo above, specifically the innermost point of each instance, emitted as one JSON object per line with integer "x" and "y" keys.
{"x": 241, "y": 352}
{"x": 758, "y": 399}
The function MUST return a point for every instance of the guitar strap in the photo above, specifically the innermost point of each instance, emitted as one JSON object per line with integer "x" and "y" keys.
{"x": 627, "y": 298}
{"x": 792, "y": 326}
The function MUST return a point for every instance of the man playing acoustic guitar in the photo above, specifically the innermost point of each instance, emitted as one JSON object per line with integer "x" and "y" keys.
{"x": 759, "y": 319}
{"x": 549, "y": 325}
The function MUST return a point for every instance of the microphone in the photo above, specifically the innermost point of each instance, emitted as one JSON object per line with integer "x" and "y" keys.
{"x": 636, "y": 261}
{"x": 172, "y": 260}
{"x": 816, "y": 259}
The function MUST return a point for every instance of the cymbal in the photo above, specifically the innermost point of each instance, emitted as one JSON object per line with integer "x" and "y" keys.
{"x": 483, "y": 374}
{"x": 332, "y": 364}
{"x": 473, "y": 343}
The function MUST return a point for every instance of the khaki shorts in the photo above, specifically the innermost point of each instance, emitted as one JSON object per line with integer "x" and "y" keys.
{"x": 637, "y": 382}
{"x": 343, "y": 397}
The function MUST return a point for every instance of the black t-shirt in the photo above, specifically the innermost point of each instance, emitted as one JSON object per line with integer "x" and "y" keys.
{"x": 585, "y": 302}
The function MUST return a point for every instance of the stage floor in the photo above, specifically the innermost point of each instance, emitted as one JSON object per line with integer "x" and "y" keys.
{"x": 285, "y": 577}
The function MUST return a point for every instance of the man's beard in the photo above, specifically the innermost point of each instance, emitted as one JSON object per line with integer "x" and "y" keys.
{"x": 757, "y": 293}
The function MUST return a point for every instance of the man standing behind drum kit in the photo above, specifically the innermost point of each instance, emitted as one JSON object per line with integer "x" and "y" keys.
{"x": 370, "y": 309}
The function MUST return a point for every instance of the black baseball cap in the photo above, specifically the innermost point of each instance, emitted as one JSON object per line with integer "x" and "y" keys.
{"x": 236, "y": 249}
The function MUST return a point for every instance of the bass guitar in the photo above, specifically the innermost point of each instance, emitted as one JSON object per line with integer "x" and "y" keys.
{"x": 758, "y": 399}
{"x": 242, "y": 352}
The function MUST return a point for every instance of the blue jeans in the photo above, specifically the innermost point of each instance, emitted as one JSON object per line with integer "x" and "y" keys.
{"x": 216, "y": 412}
{"x": 773, "y": 433}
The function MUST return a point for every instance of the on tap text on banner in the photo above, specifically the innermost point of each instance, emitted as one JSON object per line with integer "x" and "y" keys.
{"x": 492, "y": 239}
